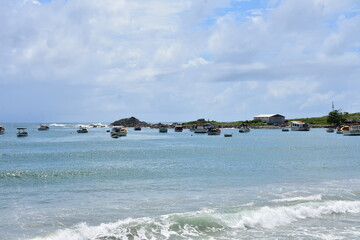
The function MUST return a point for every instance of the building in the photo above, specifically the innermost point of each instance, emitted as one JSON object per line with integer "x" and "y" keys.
{"x": 274, "y": 119}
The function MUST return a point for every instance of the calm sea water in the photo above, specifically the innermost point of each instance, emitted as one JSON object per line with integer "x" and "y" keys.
{"x": 266, "y": 184}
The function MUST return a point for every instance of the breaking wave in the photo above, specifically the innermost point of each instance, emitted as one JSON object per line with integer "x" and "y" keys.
{"x": 317, "y": 197}
{"x": 206, "y": 224}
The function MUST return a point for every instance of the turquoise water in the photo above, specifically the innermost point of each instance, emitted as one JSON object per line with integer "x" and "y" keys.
{"x": 266, "y": 184}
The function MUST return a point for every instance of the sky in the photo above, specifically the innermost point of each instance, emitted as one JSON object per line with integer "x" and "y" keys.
{"x": 178, "y": 60}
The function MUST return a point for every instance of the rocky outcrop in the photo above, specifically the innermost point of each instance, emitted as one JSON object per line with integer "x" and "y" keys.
{"x": 130, "y": 122}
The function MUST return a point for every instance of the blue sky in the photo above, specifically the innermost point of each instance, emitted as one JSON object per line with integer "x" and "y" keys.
{"x": 158, "y": 60}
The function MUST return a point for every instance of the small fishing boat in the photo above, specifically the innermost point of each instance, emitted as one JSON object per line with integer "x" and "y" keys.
{"x": 117, "y": 132}
{"x": 200, "y": 129}
{"x": 22, "y": 132}
{"x": 285, "y": 129}
{"x": 137, "y": 128}
{"x": 214, "y": 131}
{"x": 2, "y": 129}
{"x": 82, "y": 130}
{"x": 228, "y": 135}
{"x": 330, "y": 130}
{"x": 354, "y": 130}
{"x": 178, "y": 128}
{"x": 244, "y": 130}
{"x": 339, "y": 130}
{"x": 43, "y": 127}
{"x": 163, "y": 129}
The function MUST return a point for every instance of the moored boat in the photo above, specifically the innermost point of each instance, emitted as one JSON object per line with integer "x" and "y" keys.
{"x": 82, "y": 130}
{"x": 244, "y": 130}
{"x": 2, "y": 129}
{"x": 285, "y": 129}
{"x": 228, "y": 135}
{"x": 354, "y": 130}
{"x": 43, "y": 127}
{"x": 163, "y": 129}
{"x": 118, "y": 131}
{"x": 137, "y": 128}
{"x": 330, "y": 130}
{"x": 200, "y": 129}
{"x": 22, "y": 132}
{"x": 178, "y": 128}
{"x": 214, "y": 131}
{"x": 299, "y": 126}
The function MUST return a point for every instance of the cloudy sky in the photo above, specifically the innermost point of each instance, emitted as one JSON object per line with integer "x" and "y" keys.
{"x": 178, "y": 60}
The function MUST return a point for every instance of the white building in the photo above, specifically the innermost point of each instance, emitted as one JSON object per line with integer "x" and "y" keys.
{"x": 275, "y": 119}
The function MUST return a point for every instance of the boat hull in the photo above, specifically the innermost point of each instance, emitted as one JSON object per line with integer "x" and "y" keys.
{"x": 82, "y": 131}
{"x": 214, "y": 133}
{"x": 200, "y": 130}
{"x": 22, "y": 135}
{"x": 244, "y": 130}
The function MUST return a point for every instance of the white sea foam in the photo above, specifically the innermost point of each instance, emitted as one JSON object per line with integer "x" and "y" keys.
{"x": 203, "y": 223}
{"x": 57, "y": 125}
{"x": 317, "y": 197}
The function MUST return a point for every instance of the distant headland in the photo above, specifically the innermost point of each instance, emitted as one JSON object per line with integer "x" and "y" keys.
{"x": 314, "y": 121}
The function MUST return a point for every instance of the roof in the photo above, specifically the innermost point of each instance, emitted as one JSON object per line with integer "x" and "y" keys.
{"x": 268, "y": 115}
{"x": 297, "y": 122}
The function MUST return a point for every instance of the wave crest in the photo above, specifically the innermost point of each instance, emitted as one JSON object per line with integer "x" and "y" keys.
{"x": 205, "y": 224}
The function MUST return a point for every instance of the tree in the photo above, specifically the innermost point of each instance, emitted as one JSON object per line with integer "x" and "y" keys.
{"x": 335, "y": 117}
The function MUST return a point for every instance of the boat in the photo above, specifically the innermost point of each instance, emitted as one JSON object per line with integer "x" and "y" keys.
{"x": 178, "y": 128}
{"x": 228, "y": 135}
{"x": 244, "y": 129}
{"x": 354, "y": 130}
{"x": 82, "y": 130}
{"x": 43, "y": 127}
{"x": 330, "y": 130}
{"x": 343, "y": 129}
{"x": 299, "y": 126}
{"x": 163, "y": 129}
{"x": 214, "y": 131}
{"x": 2, "y": 129}
{"x": 339, "y": 130}
{"x": 22, "y": 132}
{"x": 137, "y": 128}
{"x": 118, "y": 131}
{"x": 285, "y": 129}
{"x": 200, "y": 129}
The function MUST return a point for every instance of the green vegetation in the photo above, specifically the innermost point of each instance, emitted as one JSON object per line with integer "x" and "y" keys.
{"x": 316, "y": 121}
{"x": 225, "y": 124}
{"x": 348, "y": 117}
{"x": 335, "y": 118}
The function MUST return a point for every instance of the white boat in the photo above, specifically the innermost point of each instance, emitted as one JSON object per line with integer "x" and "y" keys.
{"x": 43, "y": 127}
{"x": 117, "y": 132}
{"x": 2, "y": 129}
{"x": 178, "y": 128}
{"x": 214, "y": 131}
{"x": 22, "y": 132}
{"x": 285, "y": 129}
{"x": 354, "y": 130}
{"x": 200, "y": 129}
{"x": 82, "y": 130}
{"x": 299, "y": 126}
{"x": 244, "y": 129}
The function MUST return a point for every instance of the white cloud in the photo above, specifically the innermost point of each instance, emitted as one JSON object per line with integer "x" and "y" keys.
{"x": 159, "y": 54}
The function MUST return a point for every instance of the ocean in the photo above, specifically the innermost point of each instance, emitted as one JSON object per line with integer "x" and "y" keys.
{"x": 265, "y": 184}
